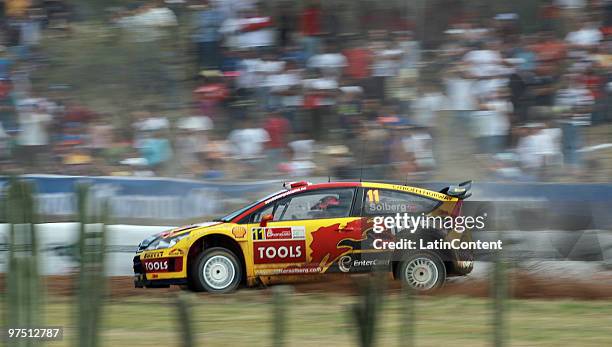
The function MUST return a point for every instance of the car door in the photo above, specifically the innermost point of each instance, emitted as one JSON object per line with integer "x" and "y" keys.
{"x": 305, "y": 233}
{"x": 378, "y": 202}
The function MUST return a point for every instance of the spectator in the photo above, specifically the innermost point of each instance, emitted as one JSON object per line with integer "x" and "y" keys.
{"x": 358, "y": 60}
{"x": 385, "y": 64}
{"x": 484, "y": 60}
{"x": 319, "y": 97}
{"x": 285, "y": 91}
{"x": 535, "y": 148}
{"x": 586, "y": 37}
{"x": 147, "y": 23}
{"x": 349, "y": 109}
{"x": 5, "y": 64}
{"x": 424, "y": 109}
{"x": 156, "y": 150}
{"x": 411, "y": 50}
{"x": 278, "y": 129}
{"x": 311, "y": 21}
{"x": 286, "y": 25}
{"x": 211, "y": 94}
{"x": 247, "y": 145}
{"x": 301, "y": 163}
{"x": 207, "y": 21}
{"x": 576, "y": 102}
{"x": 100, "y": 136}
{"x": 251, "y": 29}
{"x": 460, "y": 93}
{"x": 33, "y": 139}
{"x": 330, "y": 64}
{"x": 549, "y": 48}
{"x": 417, "y": 144}
{"x": 192, "y": 141}
{"x": 146, "y": 30}
{"x": 491, "y": 125}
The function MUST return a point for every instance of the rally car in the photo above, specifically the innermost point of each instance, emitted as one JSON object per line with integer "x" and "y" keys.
{"x": 309, "y": 230}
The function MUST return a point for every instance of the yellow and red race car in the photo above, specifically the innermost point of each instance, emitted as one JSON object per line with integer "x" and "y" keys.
{"x": 307, "y": 230}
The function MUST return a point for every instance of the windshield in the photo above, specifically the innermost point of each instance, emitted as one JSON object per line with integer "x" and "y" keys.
{"x": 236, "y": 213}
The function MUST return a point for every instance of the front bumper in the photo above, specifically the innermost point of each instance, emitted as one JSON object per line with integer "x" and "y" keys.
{"x": 141, "y": 281}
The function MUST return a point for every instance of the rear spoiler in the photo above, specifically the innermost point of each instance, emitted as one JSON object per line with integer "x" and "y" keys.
{"x": 462, "y": 190}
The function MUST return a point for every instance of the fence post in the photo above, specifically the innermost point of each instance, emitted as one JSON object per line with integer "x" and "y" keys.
{"x": 503, "y": 220}
{"x": 279, "y": 315}
{"x": 91, "y": 278}
{"x": 185, "y": 320}
{"x": 500, "y": 291}
{"x": 365, "y": 312}
{"x": 407, "y": 316}
{"x": 23, "y": 281}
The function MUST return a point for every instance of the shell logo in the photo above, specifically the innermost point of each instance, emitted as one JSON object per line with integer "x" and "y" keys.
{"x": 239, "y": 232}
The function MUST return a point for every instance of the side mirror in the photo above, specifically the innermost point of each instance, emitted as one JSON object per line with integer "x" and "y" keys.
{"x": 265, "y": 219}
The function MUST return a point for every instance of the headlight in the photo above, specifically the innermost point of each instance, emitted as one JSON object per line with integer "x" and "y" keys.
{"x": 166, "y": 242}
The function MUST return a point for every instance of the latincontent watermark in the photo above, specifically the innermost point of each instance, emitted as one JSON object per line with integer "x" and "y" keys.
{"x": 411, "y": 223}
{"x": 439, "y": 244}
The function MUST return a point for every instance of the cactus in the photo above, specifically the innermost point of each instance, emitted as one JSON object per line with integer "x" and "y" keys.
{"x": 91, "y": 277}
{"x": 23, "y": 280}
{"x": 184, "y": 319}
{"x": 365, "y": 312}
{"x": 279, "y": 315}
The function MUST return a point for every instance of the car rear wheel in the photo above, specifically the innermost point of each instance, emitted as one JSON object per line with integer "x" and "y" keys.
{"x": 422, "y": 271}
{"x": 216, "y": 270}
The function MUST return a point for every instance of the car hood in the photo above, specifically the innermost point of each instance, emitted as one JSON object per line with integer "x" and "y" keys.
{"x": 173, "y": 232}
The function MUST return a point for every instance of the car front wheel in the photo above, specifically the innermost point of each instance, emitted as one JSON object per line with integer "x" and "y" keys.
{"x": 216, "y": 270}
{"x": 422, "y": 271}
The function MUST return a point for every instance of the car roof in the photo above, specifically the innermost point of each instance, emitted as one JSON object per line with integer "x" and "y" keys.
{"x": 398, "y": 187}
{"x": 330, "y": 185}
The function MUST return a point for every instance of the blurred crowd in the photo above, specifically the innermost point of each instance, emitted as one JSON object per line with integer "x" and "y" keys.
{"x": 302, "y": 88}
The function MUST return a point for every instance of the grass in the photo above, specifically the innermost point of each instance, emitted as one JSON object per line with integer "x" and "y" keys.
{"x": 244, "y": 319}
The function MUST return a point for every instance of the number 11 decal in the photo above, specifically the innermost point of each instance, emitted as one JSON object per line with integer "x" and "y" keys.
{"x": 373, "y": 196}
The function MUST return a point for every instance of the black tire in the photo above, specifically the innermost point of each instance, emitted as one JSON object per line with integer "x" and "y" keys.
{"x": 223, "y": 268}
{"x": 422, "y": 271}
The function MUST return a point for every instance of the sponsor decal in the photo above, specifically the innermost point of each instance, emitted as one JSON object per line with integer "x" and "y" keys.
{"x": 156, "y": 265}
{"x": 290, "y": 251}
{"x": 289, "y": 271}
{"x": 176, "y": 231}
{"x": 259, "y": 234}
{"x": 289, "y": 192}
{"x": 239, "y": 232}
{"x": 346, "y": 263}
{"x": 207, "y": 224}
{"x": 176, "y": 251}
{"x": 423, "y": 192}
{"x": 279, "y": 233}
{"x": 326, "y": 242}
{"x": 152, "y": 255}
{"x": 163, "y": 265}
{"x": 298, "y": 233}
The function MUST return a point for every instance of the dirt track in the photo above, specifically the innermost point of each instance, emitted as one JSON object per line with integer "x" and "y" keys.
{"x": 522, "y": 286}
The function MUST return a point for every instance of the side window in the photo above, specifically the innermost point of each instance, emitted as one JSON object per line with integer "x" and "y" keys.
{"x": 382, "y": 202}
{"x": 329, "y": 203}
{"x": 262, "y": 212}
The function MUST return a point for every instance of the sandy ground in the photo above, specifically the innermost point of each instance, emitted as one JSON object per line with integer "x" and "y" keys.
{"x": 522, "y": 285}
